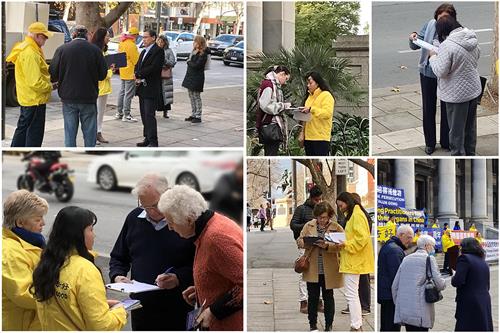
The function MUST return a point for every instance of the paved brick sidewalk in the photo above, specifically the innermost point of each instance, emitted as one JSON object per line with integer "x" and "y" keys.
{"x": 222, "y": 124}
{"x": 272, "y": 303}
{"x": 397, "y": 124}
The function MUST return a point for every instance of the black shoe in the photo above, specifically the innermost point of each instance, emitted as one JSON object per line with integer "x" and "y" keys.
{"x": 152, "y": 145}
{"x": 189, "y": 118}
{"x": 313, "y": 327}
{"x": 196, "y": 120}
{"x": 142, "y": 144}
{"x": 328, "y": 328}
{"x": 429, "y": 150}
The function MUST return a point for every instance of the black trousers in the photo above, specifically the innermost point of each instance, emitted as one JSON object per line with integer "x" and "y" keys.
{"x": 313, "y": 290}
{"x": 429, "y": 97}
{"x": 387, "y": 310}
{"x": 272, "y": 149}
{"x": 446, "y": 263}
{"x": 410, "y": 328}
{"x": 147, "y": 107}
{"x": 262, "y": 224}
{"x": 364, "y": 291}
{"x": 317, "y": 148}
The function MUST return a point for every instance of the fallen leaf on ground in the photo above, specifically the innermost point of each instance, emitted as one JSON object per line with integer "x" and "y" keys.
{"x": 395, "y": 89}
{"x": 403, "y": 67}
{"x": 268, "y": 302}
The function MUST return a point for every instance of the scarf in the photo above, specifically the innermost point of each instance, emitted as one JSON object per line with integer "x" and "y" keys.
{"x": 201, "y": 222}
{"x": 34, "y": 238}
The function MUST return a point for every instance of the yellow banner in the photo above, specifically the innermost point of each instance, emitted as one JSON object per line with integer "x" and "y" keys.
{"x": 385, "y": 232}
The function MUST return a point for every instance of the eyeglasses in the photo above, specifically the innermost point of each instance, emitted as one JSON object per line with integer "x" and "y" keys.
{"x": 139, "y": 204}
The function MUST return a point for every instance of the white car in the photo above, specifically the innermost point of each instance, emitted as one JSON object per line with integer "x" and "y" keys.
{"x": 199, "y": 169}
{"x": 181, "y": 42}
{"x": 115, "y": 42}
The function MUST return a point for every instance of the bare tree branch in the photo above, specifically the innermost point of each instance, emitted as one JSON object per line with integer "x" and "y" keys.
{"x": 115, "y": 13}
{"x": 365, "y": 165}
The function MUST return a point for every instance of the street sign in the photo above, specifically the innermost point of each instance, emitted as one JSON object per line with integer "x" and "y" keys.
{"x": 341, "y": 167}
{"x": 179, "y": 21}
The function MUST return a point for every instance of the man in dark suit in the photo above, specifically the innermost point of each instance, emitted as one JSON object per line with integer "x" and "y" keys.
{"x": 148, "y": 81}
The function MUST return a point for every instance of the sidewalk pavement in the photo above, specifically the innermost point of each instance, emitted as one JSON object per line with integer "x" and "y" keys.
{"x": 272, "y": 303}
{"x": 222, "y": 124}
{"x": 397, "y": 124}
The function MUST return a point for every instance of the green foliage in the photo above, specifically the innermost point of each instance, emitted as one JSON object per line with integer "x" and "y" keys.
{"x": 322, "y": 22}
{"x": 350, "y": 135}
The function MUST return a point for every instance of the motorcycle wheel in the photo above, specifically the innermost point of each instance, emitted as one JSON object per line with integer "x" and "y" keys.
{"x": 65, "y": 189}
{"x": 25, "y": 182}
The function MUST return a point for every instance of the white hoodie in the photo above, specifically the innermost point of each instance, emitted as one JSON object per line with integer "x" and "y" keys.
{"x": 456, "y": 67}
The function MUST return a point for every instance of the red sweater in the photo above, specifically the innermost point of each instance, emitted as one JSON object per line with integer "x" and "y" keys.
{"x": 218, "y": 267}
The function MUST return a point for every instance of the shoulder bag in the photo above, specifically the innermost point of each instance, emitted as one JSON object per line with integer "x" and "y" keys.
{"x": 302, "y": 263}
{"x": 432, "y": 294}
{"x": 166, "y": 73}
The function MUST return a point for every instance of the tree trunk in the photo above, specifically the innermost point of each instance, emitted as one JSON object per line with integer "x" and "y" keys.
{"x": 329, "y": 190}
{"x": 238, "y": 9}
{"x": 67, "y": 7}
{"x": 494, "y": 75}
{"x": 88, "y": 14}
{"x": 200, "y": 7}
{"x": 365, "y": 165}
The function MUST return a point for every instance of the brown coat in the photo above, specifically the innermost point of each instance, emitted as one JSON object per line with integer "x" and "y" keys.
{"x": 331, "y": 257}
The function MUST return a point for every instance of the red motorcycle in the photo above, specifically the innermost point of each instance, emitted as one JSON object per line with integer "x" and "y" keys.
{"x": 58, "y": 182}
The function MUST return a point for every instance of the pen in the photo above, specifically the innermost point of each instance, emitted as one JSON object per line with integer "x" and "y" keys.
{"x": 170, "y": 269}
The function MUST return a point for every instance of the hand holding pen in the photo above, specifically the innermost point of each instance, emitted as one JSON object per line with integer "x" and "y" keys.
{"x": 167, "y": 280}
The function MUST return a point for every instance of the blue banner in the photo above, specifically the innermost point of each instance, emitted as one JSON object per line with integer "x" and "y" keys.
{"x": 390, "y": 197}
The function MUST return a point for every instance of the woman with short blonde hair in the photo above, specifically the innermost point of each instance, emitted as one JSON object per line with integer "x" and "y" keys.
{"x": 22, "y": 243}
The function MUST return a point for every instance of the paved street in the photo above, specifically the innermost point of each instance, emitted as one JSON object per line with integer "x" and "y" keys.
{"x": 397, "y": 124}
{"x": 222, "y": 114}
{"x": 392, "y": 22}
{"x": 272, "y": 287}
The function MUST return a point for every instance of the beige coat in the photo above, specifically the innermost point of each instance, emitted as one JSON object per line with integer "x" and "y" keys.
{"x": 331, "y": 257}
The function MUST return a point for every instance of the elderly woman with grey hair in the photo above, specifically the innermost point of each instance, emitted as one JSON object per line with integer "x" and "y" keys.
{"x": 218, "y": 261}
{"x": 408, "y": 288}
{"x": 22, "y": 244}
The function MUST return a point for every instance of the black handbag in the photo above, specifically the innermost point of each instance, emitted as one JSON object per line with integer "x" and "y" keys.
{"x": 432, "y": 294}
{"x": 270, "y": 133}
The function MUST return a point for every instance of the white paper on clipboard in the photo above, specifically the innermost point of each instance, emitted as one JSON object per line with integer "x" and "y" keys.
{"x": 425, "y": 45}
{"x": 134, "y": 287}
{"x": 337, "y": 237}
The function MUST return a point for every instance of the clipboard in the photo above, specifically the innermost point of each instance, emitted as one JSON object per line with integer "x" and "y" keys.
{"x": 134, "y": 287}
{"x": 425, "y": 45}
{"x": 119, "y": 59}
{"x": 310, "y": 240}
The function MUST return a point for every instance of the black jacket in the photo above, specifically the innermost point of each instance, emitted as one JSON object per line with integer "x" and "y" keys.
{"x": 472, "y": 280}
{"x": 150, "y": 70}
{"x": 195, "y": 73}
{"x": 227, "y": 198}
{"x": 78, "y": 66}
{"x": 389, "y": 259}
{"x": 302, "y": 215}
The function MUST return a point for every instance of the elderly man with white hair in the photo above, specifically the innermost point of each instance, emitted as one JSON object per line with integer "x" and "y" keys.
{"x": 408, "y": 288}
{"x": 218, "y": 264}
{"x": 154, "y": 254}
{"x": 389, "y": 259}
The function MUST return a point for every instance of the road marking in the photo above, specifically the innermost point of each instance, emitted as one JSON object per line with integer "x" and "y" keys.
{"x": 410, "y": 51}
{"x": 212, "y": 88}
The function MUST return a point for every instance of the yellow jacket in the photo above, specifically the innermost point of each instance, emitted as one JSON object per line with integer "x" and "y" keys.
{"x": 105, "y": 85}
{"x": 435, "y": 226}
{"x": 32, "y": 73}
{"x": 128, "y": 46}
{"x": 319, "y": 128}
{"x": 446, "y": 242}
{"x": 81, "y": 301}
{"x": 357, "y": 255}
{"x": 19, "y": 259}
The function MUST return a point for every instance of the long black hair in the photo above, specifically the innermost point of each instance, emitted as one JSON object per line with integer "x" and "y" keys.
{"x": 98, "y": 39}
{"x": 349, "y": 200}
{"x": 322, "y": 84}
{"x": 471, "y": 246}
{"x": 445, "y": 25}
{"x": 67, "y": 235}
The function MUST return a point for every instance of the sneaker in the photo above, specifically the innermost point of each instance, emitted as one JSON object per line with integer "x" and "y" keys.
{"x": 118, "y": 116}
{"x": 303, "y": 307}
{"x": 129, "y": 119}
{"x": 196, "y": 120}
{"x": 364, "y": 312}
{"x": 356, "y": 329}
{"x": 189, "y": 118}
{"x": 345, "y": 311}
{"x": 313, "y": 328}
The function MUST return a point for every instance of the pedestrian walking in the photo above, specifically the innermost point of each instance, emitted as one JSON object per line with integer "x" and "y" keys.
{"x": 78, "y": 66}
{"x": 33, "y": 86}
{"x": 194, "y": 80}
{"x": 472, "y": 280}
{"x": 459, "y": 85}
{"x": 269, "y": 215}
{"x": 356, "y": 257}
{"x": 167, "y": 82}
{"x": 271, "y": 123}
{"x": 428, "y": 82}
{"x": 323, "y": 271}
{"x": 127, "y": 86}
{"x": 100, "y": 38}
{"x": 411, "y": 308}
{"x": 261, "y": 215}
{"x": 389, "y": 259}
{"x": 319, "y": 102}
{"x": 302, "y": 215}
{"x": 148, "y": 81}
{"x": 67, "y": 284}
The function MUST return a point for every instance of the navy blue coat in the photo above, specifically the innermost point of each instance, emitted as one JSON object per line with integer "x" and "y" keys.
{"x": 195, "y": 73}
{"x": 472, "y": 280}
{"x": 389, "y": 259}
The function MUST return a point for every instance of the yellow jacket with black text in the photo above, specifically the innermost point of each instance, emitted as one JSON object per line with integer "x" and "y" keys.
{"x": 357, "y": 255}
{"x": 19, "y": 259}
{"x": 80, "y": 301}
{"x": 319, "y": 128}
{"x": 128, "y": 46}
{"x": 33, "y": 85}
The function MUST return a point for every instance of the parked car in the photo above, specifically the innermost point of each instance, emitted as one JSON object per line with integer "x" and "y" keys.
{"x": 222, "y": 42}
{"x": 234, "y": 54}
{"x": 115, "y": 41}
{"x": 181, "y": 43}
{"x": 199, "y": 169}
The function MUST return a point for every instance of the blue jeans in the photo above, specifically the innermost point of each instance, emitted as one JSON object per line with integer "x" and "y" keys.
{"x": 30, "y": 127}
{"x": 87, "y": 115}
